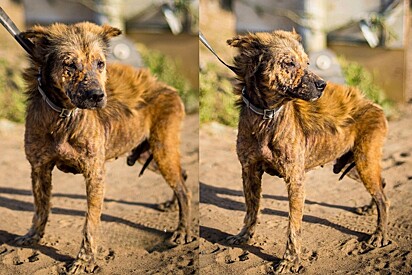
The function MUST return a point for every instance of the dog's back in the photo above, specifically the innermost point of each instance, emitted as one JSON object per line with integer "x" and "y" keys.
{"x": 338, "y": 108}
{"x": 334, "y": 123}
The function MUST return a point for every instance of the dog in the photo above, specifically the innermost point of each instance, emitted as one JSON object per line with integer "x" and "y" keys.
{"x": 82, "y": 111}
{"x": 292, "y": 121}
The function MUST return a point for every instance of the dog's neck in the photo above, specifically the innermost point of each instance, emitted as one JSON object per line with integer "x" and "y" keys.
{"x": 63, "y": 111}
{"x": 264, "y": 112}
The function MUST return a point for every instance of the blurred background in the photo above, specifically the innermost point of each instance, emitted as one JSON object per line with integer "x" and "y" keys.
{"x": 159, "y": 34}
{"x": 359, "y": 42}
{"x": 364, "y": 43}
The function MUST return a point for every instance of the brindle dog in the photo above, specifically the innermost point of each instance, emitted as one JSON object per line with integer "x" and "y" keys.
{"x": 82, "y": 112}
{"x": 291, "y": 122}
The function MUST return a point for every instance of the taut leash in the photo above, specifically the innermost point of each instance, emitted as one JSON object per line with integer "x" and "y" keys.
{"x": 15, "y": 32}
{"x": 28, "y": 46}
{"x": 206, "y": 43}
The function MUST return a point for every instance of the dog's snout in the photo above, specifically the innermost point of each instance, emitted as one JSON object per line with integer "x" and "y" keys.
{"x": 320, "y": 85}
{"x": 95, "y": 95}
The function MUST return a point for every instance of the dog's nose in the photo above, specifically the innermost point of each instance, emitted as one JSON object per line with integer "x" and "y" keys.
{"x": 95, "y": 95}
{"x": 320, "y": 85}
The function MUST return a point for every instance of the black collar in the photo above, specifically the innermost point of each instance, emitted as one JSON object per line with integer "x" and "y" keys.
{"x": 63, "y": 112}
{"x": 266, "y": 113}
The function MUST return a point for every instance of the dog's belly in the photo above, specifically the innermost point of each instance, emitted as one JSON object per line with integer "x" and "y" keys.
{"x": 122, "y": 139}
{"x": 327, "y": 151}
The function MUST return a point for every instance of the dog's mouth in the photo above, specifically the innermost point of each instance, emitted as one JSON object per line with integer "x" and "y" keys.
{"x": 91, "y": 104}
{"x": 314, "y": 99}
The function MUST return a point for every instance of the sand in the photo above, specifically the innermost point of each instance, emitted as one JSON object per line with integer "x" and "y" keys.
{"x": 331, "y": 228}
{"x": 133, "y": 232}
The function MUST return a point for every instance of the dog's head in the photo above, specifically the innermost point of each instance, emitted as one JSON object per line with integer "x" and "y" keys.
{"x": 277, "y": 64}
{"x": 72, "y": 59}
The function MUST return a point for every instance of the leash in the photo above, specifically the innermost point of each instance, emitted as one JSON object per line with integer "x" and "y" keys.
{"x": 265, "y": 113}
{"x": 28, "y": 46}
{"x": 206, "y": 43}
{"x": 15, "y": 32}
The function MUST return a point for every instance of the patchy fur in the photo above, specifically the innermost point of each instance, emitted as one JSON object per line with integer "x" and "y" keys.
{"x": 315, "y": 126}
{"x": 118, "y": 108}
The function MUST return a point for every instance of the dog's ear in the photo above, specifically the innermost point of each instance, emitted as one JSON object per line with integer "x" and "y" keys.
{"x": 296, "y": 35}
{"x": 240, "y": 41}
{"x": 109, "y": 31}
{"x": 36, "y": 34}
{"x": 40, "y": 37}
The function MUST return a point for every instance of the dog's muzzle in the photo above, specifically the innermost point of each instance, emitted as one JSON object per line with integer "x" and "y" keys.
{"x": 90, "y": 99}
{"x": 320, "y": 87}
{"x": 96, "y": 95}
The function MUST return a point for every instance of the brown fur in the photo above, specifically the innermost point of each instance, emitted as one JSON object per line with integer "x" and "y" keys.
{"x": 307, "y": 132}
{"x": 119, "y": 108}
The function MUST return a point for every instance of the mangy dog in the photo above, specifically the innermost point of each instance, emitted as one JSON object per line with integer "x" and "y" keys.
{"x": 292, "y": 121}
{"x": 82, "y": 112}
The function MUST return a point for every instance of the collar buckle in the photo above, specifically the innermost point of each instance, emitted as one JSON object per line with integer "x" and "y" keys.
{"x": 65, "y": 113}
{"x": 268, "y": 113}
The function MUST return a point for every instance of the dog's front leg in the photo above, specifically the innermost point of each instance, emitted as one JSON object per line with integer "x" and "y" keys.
{"x": 291, "y": 258}
{"x": 41, "y": 185}
{"x": 252, "y": 177}
{"x": 86, "y": 258}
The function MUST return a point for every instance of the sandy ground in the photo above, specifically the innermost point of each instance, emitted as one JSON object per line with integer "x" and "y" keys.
{"x": 331, "y": 228}
{"x": 132, "y": 231}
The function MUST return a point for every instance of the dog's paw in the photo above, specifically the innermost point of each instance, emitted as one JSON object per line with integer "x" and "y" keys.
{"x": 367, "y": 210}
{"x": 241, "y": 238}
{"x": 28, "y": 240}
{"x": 378, "y": 239}
{"x": 287, "y": 266}
{"x": 168, "y": 206}
{"x": 182, "y": 236}
{"x": 82, "y": 266}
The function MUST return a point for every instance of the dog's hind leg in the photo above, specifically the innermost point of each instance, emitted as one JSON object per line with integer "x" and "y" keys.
{"x": 167, "y": 156}
{"x": 143, "y": 155}
{"x": 367, "y": 158}
{"x": 252, "y": 188}
{"x": 369, "y": 171}
{"x": 164, "y": 143}
{"x": 41, "y": 185}
{"x": 369, "y": 209}
{"x": 86, "y": 258}
{"x": 343, "y": 164}
{"x": 296, "y": 195}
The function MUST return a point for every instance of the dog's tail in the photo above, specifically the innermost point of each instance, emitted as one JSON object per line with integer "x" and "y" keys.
{"x": 143, "y": 154}
{"x": 347, "y": 170}
{"x": 149, "y": 159}
{"x": 341, "y": 163}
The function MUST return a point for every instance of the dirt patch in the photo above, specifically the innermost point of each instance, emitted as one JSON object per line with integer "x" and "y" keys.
{"x": 133, "y": 232}
{"x": 331, "y": 228}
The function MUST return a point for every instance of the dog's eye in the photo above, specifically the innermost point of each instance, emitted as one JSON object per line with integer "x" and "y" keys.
{"x": 290, "y": 64}
{"x": 100, "y": 65}
{"x": 71, "y": 67}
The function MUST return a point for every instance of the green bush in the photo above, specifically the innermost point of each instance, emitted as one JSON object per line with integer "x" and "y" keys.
{"x": 217, "y": 101}
{"x": 356, "y": 75}
{"x": 168, "y": 71}
{"x": 12, "y": 100}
